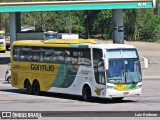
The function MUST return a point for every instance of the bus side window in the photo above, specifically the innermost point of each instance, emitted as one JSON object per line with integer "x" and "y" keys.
{"x": 16, "y": 53}
{"x": 59, "y": 56}
{"x": 84, "y": 57}
{"x": 47, "y": 55}
{"x": 35, "y": 54}
{"x": 74, "y": 56}
{"x": 71, "y": 56}
{"x": 25, "y": 54}
{"x": 67, "y": 54}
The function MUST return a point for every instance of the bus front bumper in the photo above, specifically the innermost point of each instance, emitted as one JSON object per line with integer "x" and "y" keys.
{"x": 125, "y": 93}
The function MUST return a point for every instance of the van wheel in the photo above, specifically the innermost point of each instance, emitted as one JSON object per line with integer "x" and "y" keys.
{"x": 86, "y": 93}
{"x": 9, "y": 79}
{"x": 28, "y": 87}
{"x": 36, "y": 88}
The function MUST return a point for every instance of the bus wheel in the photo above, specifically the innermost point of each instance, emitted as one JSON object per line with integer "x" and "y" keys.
{"x": 117, "y": 99}
{"x": 9, "y": 79}
{"x": 86, "y": 93}
{"x": 36, "y": 88}
{"x": 28, "y": 87}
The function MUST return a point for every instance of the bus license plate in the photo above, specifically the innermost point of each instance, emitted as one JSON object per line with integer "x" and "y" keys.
{"x": 125, "y": 93}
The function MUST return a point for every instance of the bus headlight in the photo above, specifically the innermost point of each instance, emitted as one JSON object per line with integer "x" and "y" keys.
{"x": 139, "y": 86}
{"x": 111, "y": 87}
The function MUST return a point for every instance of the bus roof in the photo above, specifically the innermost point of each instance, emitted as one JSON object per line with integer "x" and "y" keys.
{"x": 70, "y": 41}
{"x": 110, "y": 46}
{"x": 80, "y": 43}
{"x": 74, "y": 43}
{"x": 2, "y": 32}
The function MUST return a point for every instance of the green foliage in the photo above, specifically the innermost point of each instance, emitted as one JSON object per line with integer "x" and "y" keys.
{"x": 130, "y": 21}
{"x": 4, "y": 23}
{"x": 148, "y": 25}
{"x": 103, "y": 21}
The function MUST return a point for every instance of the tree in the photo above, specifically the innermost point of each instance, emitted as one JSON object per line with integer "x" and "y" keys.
{"x": 130, "y": 28}
{"x": 103, "y": 24}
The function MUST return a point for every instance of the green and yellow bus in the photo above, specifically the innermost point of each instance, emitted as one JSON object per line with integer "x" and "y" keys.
{"x": 77, "y": 67}
{"x": 2, "y": 42}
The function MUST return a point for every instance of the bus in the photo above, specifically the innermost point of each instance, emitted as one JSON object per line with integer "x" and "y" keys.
{"x": 77, "y": 67}
{"x": 2, "y": 42}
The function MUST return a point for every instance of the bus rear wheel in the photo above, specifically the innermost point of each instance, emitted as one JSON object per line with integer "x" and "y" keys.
{"x": 28, "y": 87}
{"x": 86, "y": 93}
{"x": 36, "y": 88}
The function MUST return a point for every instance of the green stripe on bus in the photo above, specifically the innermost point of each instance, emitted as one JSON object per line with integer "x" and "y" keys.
{"x": 131, "y": 86}
{"x": 65, "y": 76}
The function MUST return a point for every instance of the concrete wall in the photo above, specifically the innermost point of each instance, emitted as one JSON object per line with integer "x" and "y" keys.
{"x": 30, "y": 36}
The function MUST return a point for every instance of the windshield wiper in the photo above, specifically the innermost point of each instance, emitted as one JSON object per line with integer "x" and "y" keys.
{"x": 126, "y": 73}
{"x": 134, "y": 82}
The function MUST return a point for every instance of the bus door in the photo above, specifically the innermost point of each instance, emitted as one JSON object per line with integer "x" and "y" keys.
{"x": 98, "y": 65}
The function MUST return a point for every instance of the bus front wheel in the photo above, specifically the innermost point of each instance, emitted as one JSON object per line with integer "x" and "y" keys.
{"x": 86, "y": 93}
{"x": 36, "y": 88}
{"x": 28, "y": 87}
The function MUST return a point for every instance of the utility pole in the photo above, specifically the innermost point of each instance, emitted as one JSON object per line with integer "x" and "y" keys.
{"x": 118, "y": 29}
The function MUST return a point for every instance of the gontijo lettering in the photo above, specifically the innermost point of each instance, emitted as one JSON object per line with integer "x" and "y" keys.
{"x": 38, "y": 67}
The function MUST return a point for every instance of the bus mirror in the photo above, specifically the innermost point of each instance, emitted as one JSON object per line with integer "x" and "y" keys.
{"x": 106, "y": 64}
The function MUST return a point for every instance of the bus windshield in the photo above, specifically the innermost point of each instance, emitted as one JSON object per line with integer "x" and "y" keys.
{"x": 124, "y": 66}
{"x": 2, "y": 36}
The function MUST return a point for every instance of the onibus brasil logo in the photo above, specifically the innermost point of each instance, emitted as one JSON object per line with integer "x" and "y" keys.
{"x": 20, "y": 115}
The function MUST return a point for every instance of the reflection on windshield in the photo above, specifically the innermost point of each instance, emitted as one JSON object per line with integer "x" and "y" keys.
{"x": 124, "y": 71}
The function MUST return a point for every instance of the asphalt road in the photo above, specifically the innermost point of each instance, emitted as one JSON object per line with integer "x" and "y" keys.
{"x": 12, "y": 99}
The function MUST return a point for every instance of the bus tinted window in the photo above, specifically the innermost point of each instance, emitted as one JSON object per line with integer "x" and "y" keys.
{"x": 35, "y": 54}
{"x": 71, "y": 56}
{"x": 2, "y": 37}
{"x": 52, "y": 55}
{"x": 58, "y": 56}
{"x": 46, "y": 55}
{"x": 16, "y": 53}
{"x": 25, "y": 54}
{"x": 85, "y": 57}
